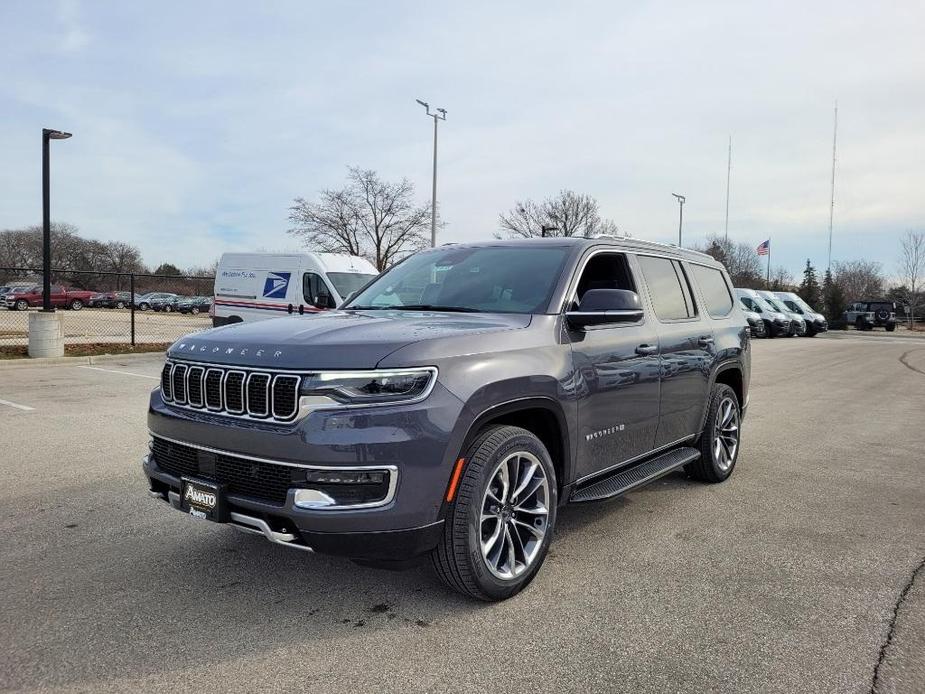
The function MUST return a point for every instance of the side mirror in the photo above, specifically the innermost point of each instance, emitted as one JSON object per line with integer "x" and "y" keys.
{"x": 606, "y": 306}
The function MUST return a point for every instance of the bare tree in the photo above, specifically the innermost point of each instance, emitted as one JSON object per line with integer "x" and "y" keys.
{"x": 781, "y": 279}
{"x": 858, "y": 279}
{"x": 739, "y": 258}
{"x": 566, "y": 214}
{"x": 912, "y": 268}
{"x": 376, "y": 219}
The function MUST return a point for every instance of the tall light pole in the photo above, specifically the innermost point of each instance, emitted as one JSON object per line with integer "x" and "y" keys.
{"x": 728, "y": 176}
{"x": 832, "y": 199}
{"x": 438, "y": 115}
{"x": 681, "y": 201}
{"x": 47, "y": 136}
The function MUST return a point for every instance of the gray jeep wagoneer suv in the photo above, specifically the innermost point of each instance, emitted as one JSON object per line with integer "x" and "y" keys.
{"x": 456, "y": 402}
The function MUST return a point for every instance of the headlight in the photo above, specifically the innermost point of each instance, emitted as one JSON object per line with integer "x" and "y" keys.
{"x": 368, "y": 387}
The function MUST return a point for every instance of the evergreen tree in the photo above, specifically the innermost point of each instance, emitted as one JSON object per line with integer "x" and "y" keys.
{"x": 809, "y": 288}
{"x": 833, "y": 299}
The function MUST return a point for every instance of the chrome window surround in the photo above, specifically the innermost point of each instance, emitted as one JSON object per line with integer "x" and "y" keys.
{"x": 391, "y": 469}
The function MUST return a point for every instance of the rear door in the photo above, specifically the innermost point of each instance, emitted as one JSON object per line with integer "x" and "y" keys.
{"x": 686, "y": 343}
{"x": 615, "y": 375}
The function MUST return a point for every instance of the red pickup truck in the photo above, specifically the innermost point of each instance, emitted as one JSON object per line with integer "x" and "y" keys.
{"x": 61, "y": 297}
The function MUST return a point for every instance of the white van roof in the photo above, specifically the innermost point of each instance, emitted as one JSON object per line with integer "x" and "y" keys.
{"x": 329, "y": 262}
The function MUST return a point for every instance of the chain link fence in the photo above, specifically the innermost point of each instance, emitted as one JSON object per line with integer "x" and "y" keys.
{"x": 106, "y": 307}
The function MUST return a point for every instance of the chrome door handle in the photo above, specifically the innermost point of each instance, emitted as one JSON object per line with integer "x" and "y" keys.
{"x": 646, "y": 350}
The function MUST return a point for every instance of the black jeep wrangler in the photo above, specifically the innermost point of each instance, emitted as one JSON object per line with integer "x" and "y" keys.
{"x": 867, "y": 315}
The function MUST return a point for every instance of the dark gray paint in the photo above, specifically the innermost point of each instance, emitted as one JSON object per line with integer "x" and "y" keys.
{"x": 593, "y": 380}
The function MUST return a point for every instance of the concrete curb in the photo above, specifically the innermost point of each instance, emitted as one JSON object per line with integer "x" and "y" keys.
{"x": 25, "y": 362}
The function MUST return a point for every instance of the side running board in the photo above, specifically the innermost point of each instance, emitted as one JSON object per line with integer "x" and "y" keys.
{"x": 627, "y": 479}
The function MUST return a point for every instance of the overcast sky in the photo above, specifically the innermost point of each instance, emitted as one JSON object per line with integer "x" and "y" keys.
{"x": 196, "y": 123}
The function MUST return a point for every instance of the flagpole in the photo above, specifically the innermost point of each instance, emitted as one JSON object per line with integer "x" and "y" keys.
{"x": 768, "y": 281}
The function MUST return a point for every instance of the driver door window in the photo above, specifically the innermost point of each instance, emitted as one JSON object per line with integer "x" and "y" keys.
{"x": 316, "y": 292}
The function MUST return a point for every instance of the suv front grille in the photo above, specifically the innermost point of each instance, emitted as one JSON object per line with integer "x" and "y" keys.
{"x": 237, "y": 392}
{"x": 243, "y": 476}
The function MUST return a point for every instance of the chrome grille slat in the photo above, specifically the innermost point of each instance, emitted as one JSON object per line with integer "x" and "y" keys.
{"x": 166, "y": 384}
{"x": 258, "y": 395}
{"x": 194, "y": 375}
{"x": 234, "y": 392}
{"x": 245, "y": 393}
{"x": 178, "y": 383}
{"x": 214, "y": 382}
{"x": 285, "y": 396}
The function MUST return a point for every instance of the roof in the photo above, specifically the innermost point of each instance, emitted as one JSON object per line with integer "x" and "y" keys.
{"x": 621, "y": 242}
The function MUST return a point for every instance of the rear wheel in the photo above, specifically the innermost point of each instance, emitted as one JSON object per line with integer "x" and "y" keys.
{"x": 719, "y": 440}
{"x": 890, "y": 327}
{"x": 194, "y": 310}
{"x": 498, "y": 529}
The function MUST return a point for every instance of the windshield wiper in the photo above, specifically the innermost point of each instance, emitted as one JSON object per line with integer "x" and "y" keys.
{"x": 436, "y": 307}
{"x": 415, "y": 307}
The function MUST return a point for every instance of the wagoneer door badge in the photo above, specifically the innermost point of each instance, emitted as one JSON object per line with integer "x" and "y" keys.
{"x": 605, "y": 432}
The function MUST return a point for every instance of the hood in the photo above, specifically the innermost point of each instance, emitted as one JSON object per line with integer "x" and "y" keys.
{"x": 333, "y": 339}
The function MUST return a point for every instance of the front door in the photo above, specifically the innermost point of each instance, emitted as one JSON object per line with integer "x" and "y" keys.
{"x": 616, "y": 376}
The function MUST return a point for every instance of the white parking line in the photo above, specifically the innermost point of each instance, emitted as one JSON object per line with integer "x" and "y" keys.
{"x": 17, "y": 406}
{"x": 123, "y": 373}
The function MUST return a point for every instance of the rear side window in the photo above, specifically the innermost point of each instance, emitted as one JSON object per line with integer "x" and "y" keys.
{"x": 716, "y": 297}
{"x": 668, "y": 287}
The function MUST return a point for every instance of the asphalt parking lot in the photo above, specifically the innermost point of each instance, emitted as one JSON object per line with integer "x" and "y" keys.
{"x": 803, "y": 573}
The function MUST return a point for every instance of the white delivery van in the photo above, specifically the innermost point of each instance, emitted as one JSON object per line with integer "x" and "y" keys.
{"x": 255, "y": 286}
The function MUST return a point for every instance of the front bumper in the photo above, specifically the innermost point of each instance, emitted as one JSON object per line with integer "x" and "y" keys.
{"x": 282, "y": 527}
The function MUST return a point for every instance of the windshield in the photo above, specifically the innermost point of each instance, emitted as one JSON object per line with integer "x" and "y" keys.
{"x": 487, "y": 278}
{"x": 751, "y": 304}
{"x": 775, "y": 306}
{"x": 792, "y": 305}
{"x": 348, "y": 282}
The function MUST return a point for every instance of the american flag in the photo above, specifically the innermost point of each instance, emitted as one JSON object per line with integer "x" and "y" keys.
{"x": 764, "y": 248}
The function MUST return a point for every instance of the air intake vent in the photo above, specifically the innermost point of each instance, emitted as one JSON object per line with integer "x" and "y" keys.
{"x": 179, "y": 384}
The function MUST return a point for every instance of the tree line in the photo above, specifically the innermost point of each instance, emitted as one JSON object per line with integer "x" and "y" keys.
{"x": 81, "y": 262}
{"x": 381, "y": 221}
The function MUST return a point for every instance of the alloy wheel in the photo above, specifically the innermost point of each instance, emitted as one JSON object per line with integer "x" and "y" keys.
{"x": 726, "y": 434}
{"x": 514, "y": 515}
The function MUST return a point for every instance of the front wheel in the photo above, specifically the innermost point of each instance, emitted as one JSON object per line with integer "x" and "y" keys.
{"x": 76, "y": 305}
{"x": 22, "y": 305}
{"x": 194, "y": 310}
{"x": 143, "y": 306}
{"x": 719, "y": 440}
{"x": 499, "y": 526}
{"x": 120, "y": 304}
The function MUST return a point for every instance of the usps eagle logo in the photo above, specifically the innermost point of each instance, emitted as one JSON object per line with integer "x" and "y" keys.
{"x": 276, "y": 285}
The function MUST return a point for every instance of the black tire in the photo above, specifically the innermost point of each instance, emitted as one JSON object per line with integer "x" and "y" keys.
{"x": 769, "y": 330}
{"x": 21, "y": 305}
{"x": 194, "y": 310}
{"x": 120, "y": 304}
{"x": 707, "y": 468}
{"x": 890, "y": 327}
{"x": 458, "y": 558}
{"x": 76, "y": 304}
{"x": 143, "y": 306}
{"x": 859, "y": 324}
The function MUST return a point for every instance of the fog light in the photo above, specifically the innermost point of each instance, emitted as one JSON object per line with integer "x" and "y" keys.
{"x": 345, "y": 477}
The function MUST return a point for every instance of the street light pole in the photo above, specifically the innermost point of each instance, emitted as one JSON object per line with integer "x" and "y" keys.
{"x": 681, "y": 201}
{"x": 47, "y": 135}
{"x": 438, "y": 114}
